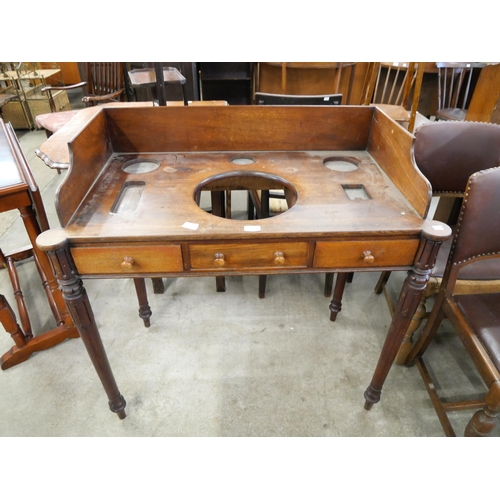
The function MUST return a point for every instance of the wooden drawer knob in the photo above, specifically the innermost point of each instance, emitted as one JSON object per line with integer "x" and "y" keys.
{"x": 127, "y": 263}
{"x": 368, "y": 258}
{"x": 279, "y": 258}
{"x": 219, "y": 259}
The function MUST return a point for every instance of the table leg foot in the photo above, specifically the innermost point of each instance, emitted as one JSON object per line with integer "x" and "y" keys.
{"x": 372, "y": 396}
{"x": 118, "y": 406}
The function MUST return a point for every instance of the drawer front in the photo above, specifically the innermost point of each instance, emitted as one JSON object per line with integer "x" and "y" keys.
{"x": 360, "y": 254}
{"x": 248, "y": 256}
{"x": 128, "y": 259}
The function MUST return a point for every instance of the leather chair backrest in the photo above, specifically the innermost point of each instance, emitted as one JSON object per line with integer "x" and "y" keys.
{"x": 448, "y": 153}
{"x": 478, "y": 230}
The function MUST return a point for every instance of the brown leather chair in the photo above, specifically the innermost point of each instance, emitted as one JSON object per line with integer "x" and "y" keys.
{"x": 475, "y": 316}
{"x": 448, "y": 153}
{"x": 104, "y": 84}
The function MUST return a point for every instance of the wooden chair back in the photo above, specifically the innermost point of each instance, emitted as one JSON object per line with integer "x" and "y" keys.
{"x": 306, "y": 78}
{"x": 390, "y": 83}
{"x": 104, "y": 79}
{"x": 265, "y": 98}
{"x": 454, "y": 85}
{"x": 485, "y": 101}
{"x": 396, "y": 88}
{"x": 478, "y": 231}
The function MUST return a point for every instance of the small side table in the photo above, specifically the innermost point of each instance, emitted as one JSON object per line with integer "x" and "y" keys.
{"x": 18, "y": 190}
{"x": 158, "y": 77}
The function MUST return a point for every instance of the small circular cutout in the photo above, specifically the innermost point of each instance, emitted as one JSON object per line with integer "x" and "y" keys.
{"x": 341, "y": 164}
{"x": 139, "y": 166}
{"x": 242, "y": 160}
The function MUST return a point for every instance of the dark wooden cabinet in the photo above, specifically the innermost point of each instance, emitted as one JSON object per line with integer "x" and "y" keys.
{"x": 228, "y": 81}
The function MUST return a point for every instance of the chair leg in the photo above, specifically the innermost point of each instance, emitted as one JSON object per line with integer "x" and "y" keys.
{"x": 418, "y": 317}
{"x": 8, "y": 320}
{"x": 48, "y": 292}
{"x": 430, "y": 329}
{"x": 184, "y": 97}
{"x": 250, "y": 207}
{"x": 8, "y": 262}
{"x": 382, "y": 281}
{"x": 430, "y": 386}
{"x": 483, "y": 421}
{"x": 416, "y": 321}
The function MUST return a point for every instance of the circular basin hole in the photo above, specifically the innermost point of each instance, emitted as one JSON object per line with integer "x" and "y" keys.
{"x": 140, "y": 166}
{"x": 242, "y": 160}
{"x": 217, "y": 189}
{"x": 341, "y": 164}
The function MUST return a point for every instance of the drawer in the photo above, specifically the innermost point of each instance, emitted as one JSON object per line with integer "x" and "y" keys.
{"x": 128, "y": 259}
{"x": 251, "y": 256}
{"x": 359, "y": 254}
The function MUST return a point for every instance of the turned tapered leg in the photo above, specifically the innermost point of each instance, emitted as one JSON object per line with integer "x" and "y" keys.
{"x": 142, "y": 297}
{"x": 409, "y": 299}
{"x": 80, "y": 309}
{"x": 411, "y": 293}
{"x": 336, "y": 303}
{"x": 382, "y": 281}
